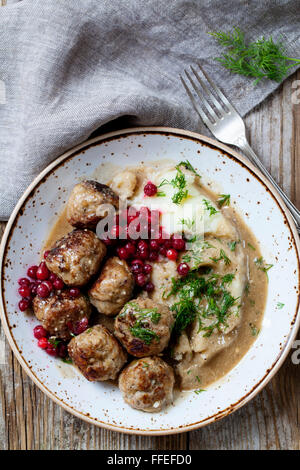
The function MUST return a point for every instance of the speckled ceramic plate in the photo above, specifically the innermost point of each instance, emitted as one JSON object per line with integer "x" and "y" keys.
{"x": 263, "y": 211}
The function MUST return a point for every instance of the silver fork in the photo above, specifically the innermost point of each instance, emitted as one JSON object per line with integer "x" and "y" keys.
{"x": 226, "y": 124}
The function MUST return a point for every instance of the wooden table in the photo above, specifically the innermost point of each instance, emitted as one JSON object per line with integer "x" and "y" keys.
{"x": 30, "y": 420}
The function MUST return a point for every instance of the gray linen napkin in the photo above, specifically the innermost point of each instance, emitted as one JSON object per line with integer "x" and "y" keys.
{"x": 68, "y": 67}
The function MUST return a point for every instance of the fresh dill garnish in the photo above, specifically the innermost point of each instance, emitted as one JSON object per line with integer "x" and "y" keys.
{"x": 198, "y": 379}
{"x": 223, "y": 257}
{"x": 144, "y": 334}
{"x": 227, "y": 279}
{"x": 143, "y": 316}
{"x": 188, "y": 166}
{"x": 251, "y": 246}
{"x": 258, "y": 59}
{"x": 209, "y": 207}
{"x": 280, "y": 305}
{"x": 200, "y": 390}
{"x": 261, "y": 264}
{"x": 179, "y": 183}
{"x": 189, "y": 223}
{"x": 223, "y": 200}
{"x": 254, "y": 330}
{"x": 232, "y": 245}
{"x": 203, "y": 298}
{"x": 160, "y": 194}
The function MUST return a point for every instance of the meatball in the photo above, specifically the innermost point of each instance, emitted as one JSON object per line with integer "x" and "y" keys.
{"x": 76, "y": 257}
{"x": 113, "y": 288}
{"x": 83, "y": 207}
{"x": 60, "y": 312}
{"x": 97, "y": 354}
{"x": 144, "y": 327}
{"x": 147, "y": 384}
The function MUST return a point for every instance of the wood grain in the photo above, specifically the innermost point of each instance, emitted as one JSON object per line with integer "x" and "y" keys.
{"x": 30, "y": 420}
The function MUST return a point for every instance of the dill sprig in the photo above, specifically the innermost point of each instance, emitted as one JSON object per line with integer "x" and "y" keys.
{"x": 192, "y": 290}
{"x": 143, "y": 319}
{"x": 259, "y": 59}
{"x": 209, "y": 207}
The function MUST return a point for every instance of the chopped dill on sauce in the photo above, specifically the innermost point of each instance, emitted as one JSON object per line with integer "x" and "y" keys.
{"x": 209, "y": 207}
{"x": 223, "y": 257}
{"x": 203, "y": 298}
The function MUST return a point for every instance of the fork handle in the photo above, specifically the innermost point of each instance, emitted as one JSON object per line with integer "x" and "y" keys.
{"x": 243, "y": 144}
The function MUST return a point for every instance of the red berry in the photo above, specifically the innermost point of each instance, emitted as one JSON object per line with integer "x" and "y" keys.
{"x": 74, "y": 292}
{"x": 23, "y": 281}
{"x": 178, "y": 244}
{"x": 122, "y": 253}
{"x": 43, "y": 343}
{"x": 137, "y": 268}
{"x": 40, "y": 332}
{"x": 24, "y": 304}
{"x": 143, "y": 255}
{"x": 42, "y": 272}
{"x": 58, "y": 284}
{"x": 153, "y": 256}
{"x": 33, "y": 287}
{"x": 147, "y": 268}
{"x": 62, "y": 350}
{"x": 183, "y": 269}
{"x": 31, "y": 272}
{"x": 46, "y": 254}
{"x": 142, "y": 245}
{"x": 150, "y": 189}
{"x": 172, "y": 254}
{"x": 49, "y": 285}
{"x": 149, "y": 287}
{"x": 51, "y": 350}
{"x": 24, "y": 291}
{"x": 130, "y": 249}
{"x": 168, "y": 244}
{"x": 81, "y": 326}
{"x": 141, "y": 280}
{"x": 154, "y": 245}
{"x": 52, "y": 277}
{"x": 43, "y": 290}
{"x": 163, "y": 251}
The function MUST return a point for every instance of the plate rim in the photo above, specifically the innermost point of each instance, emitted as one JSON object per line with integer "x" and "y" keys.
{"x": 163, "y": 131}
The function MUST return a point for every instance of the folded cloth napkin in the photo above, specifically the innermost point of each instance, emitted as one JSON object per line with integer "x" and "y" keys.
{"x": 67, "y": 68}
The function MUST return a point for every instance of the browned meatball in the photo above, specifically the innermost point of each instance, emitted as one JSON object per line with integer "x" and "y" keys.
{"x": 83, "y": 207}
{"x": 76, "y": 257}
{"x": 113, "y": 288}
{"x": 144, "y": 327}
{"x": 147, "y": 384}
{"x": 97, "y": 354}
{"x": 60, "y": 312}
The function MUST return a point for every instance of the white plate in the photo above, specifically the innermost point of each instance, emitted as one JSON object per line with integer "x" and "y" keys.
{"x": 263, "y": 211}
